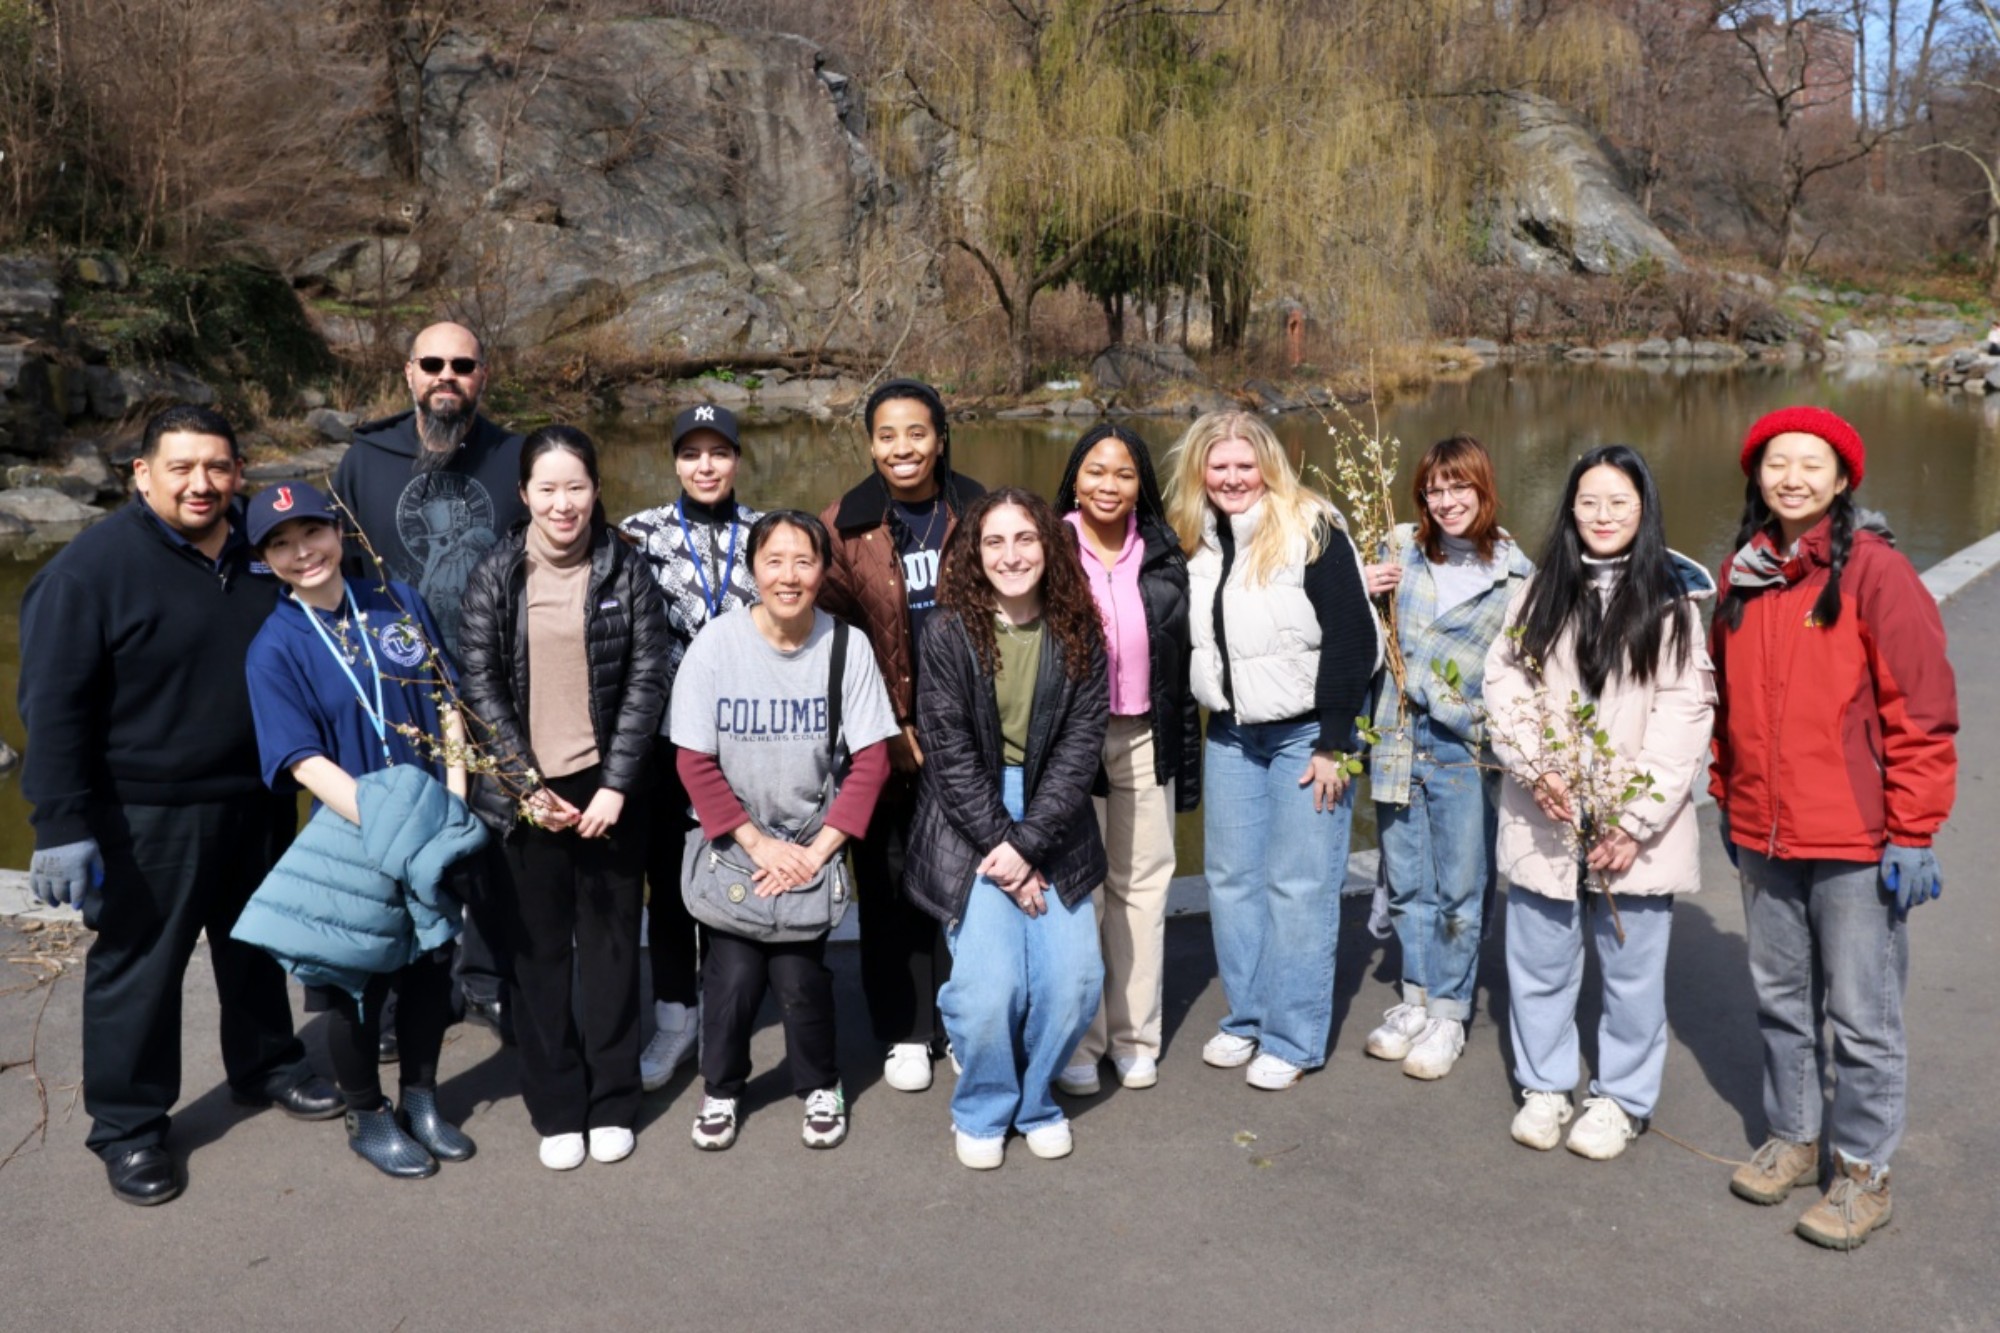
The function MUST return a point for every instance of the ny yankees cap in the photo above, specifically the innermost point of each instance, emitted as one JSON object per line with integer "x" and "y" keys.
{"x": 281, "y": 504}
{"x": 706, "y": 416}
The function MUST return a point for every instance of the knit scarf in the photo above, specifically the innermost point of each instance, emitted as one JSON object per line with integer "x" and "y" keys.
{"x": 1761, "y": 565}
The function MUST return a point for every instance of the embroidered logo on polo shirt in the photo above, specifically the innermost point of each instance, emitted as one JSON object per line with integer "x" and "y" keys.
{"x": 402, "y": 644}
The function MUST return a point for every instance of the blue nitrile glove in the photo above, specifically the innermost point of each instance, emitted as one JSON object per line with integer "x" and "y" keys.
{"x": 1912, "y": 874}
{"x": 1728, "y": 845}
{"x": 59, "y": 875}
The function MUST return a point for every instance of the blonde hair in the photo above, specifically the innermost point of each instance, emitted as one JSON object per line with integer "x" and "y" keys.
{"x": 1295, "y": 516}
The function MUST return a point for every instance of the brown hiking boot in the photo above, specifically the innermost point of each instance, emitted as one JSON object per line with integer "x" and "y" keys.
{"x": 1855, "y": 1206}
{"x": 1775, "y": 1170}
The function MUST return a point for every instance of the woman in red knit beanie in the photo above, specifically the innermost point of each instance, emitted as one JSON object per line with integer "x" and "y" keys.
{"x": 1835, "y": 764}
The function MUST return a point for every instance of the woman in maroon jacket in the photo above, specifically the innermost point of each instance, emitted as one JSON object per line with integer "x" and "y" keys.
{"x": 1835, "y": 764}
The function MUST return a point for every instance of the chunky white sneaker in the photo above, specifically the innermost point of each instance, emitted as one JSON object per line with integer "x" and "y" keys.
{"x": 1136, "y": 1071}
{"x": 671, "y": 1046}
{"x": 562, "y": 1152}
{"x": 1270, "y": 1073}
{"x": 715, "y": 1127}
{"x": 826, "y": 1118}
{"x": 1051, "y": 1141}
{"x": 1401, "y": 1026}
{"x": 908, "y": 1068}
{"x": 1602, "y": 1131}
{"x": 1227, "y": 1051}
{"x": 1078, "y": 1081}
{"x": 980, "y": 1154}
{"x": 1538, "y": 1124}
{"x": 611, "y": 1143}
{"x": 1437, "y": 1050}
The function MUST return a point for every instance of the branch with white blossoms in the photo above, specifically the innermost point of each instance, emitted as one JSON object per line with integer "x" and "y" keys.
{"x": 1363, "y": 486}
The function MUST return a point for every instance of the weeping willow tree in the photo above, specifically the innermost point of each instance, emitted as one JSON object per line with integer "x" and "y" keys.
{"x": 1328, "y": 149}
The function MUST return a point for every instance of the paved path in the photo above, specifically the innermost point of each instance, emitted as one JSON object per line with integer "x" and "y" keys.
{"x": 1361, "y": 1199}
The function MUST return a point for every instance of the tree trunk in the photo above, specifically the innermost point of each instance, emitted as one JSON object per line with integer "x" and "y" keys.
{"x": 1021, "y": 342}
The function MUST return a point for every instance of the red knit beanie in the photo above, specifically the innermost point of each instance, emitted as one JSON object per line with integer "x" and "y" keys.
{"x": 1846, "y": 440}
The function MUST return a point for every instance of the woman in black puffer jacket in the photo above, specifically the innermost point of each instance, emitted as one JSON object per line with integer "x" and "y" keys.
{"x": 1011, "y": 712}
{"x": 563, "y": 665}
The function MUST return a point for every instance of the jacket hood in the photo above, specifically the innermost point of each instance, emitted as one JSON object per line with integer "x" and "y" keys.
{"x": 1697, "y": 584}
{"x": 867, "y": 505}
{"x": 397, "y": 434}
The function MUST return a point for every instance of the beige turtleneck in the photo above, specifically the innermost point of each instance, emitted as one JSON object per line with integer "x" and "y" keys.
{"x": 559, "y": 723}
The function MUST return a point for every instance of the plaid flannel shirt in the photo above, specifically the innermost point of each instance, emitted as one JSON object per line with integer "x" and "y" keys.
{"x": 1429, "y": 640}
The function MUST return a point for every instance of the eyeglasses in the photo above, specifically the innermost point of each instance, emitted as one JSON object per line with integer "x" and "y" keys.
{"x": 460, "y": 365}
{"x": 1451, "y": 490}
{"x": 1619, "y": 508}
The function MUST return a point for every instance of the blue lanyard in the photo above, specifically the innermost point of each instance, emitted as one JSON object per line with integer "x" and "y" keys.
{"x": 712, "y": 598}
{"x": 375, "y": 714}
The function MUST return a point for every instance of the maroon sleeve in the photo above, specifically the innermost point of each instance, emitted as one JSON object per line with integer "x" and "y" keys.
{"x": 714, "y": 803}
{"x": 854, "y": 805}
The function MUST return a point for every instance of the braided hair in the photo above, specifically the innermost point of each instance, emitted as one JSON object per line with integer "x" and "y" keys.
{"x": 1757, "y": 517}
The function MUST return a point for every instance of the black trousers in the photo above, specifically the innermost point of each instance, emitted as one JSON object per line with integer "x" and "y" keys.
{"x": 171, "y": 872}
{"x": 354, "y": 1032}
{"x": 903, "y": 954}
{"x": 481, "y": 966}
{"x": 572, "y": 911}
{"x": 672, "y": 937}
{"x": 733, "y": 980}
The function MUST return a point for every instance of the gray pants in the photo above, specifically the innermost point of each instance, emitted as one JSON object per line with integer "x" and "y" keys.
{"x": 1826, "y": 943}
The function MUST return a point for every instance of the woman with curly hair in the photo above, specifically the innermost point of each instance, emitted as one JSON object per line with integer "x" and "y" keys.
{"x": 1012, "y": 706}
{"x": 1284, "y": 646}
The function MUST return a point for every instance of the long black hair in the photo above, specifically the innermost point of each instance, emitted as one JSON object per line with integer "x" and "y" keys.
{"x": 1621, "y": 634}
{"x": 1152, "y": 509}
{"x": 1757, "y": 517}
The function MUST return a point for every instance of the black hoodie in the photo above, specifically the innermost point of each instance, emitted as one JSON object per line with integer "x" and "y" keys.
{"x": 430, "y": 529}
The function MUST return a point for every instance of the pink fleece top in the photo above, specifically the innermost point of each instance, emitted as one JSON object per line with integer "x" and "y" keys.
{"x": 1123, "y": 612}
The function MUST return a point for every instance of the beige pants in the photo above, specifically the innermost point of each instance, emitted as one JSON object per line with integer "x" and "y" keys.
{"x": 1138, "y": 824}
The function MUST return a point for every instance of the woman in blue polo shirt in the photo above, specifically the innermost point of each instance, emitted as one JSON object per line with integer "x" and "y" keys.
{"x": 336, "y": 675}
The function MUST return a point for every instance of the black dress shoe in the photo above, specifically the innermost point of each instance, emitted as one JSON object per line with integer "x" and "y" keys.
{"x": 381, "y": 1143}
{"x": 426, "y": 1124}
{"x": 387, "y": 1051}
{"x": 311, "y": 1098}
{"x": 493, "y": 1015}
{"x": 144, "y": 1176}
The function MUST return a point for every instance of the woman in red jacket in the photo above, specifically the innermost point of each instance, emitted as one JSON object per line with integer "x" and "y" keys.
{"x": 1835, "y": 764}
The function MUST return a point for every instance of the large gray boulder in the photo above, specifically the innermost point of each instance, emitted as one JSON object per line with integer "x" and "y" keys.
{"x": 30, "y": 296}
{"x": 1132, "y": 366}
{"x": 1564, "y": 207}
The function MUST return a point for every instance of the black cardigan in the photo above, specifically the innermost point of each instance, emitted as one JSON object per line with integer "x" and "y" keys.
{"x": 960, "y": 816}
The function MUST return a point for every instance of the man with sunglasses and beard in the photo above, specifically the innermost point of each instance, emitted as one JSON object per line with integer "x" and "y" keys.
{"x": 434, "y": 489}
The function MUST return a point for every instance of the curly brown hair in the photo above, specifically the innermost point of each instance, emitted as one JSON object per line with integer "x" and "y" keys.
{"x": 1068, "y": 609}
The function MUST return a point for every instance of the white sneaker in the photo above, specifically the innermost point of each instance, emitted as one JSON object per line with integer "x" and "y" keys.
{"x": 1227, "y": 1051}
{"x": 1400, "y": 1028}
{"x": 1538, "y": 1124}
{"x": 908, "y": 1068}
{"x": 562, "y": 1152}
{"x": 611, "y": 1143}
{"x": 715, "y": 1127}
{"x": 1051, "y": 1141}
{"x": 1602, "y": 1131}
{"x": 826, "y": 1118}
{"x": 671, "y": 1046}
{"x": 980, "y": 1154}
{"x": 1136, "y": 1071}
{"x": 1270, "y": 1073}
{"x": 1437, "y": 1050}
{"x": 1078, "y": 1081}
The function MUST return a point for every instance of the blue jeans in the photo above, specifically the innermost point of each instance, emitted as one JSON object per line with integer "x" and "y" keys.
{"x": 1545, "y": 976}
{"x": 1275, "y": 866}
{"x": 1021, "y": 995}
{"x": 1438, "y": 851}
{"x": 1825, "y": 938}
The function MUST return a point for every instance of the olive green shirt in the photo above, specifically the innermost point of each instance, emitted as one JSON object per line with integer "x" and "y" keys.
{"x": 1014, "y": 685}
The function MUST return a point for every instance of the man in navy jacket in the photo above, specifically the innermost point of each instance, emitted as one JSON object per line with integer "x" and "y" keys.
{"x": 150, "y": 811}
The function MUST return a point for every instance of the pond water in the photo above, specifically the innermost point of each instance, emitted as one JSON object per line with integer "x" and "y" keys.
{"x": 1933, "y": 469}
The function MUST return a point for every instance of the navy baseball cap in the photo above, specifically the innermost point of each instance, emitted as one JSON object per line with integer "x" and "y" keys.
{"x": 706, "y": 416}
{"x": 283, "y": 503}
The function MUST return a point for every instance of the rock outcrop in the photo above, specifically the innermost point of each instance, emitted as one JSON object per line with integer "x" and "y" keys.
{"x": 1564, "y": 207}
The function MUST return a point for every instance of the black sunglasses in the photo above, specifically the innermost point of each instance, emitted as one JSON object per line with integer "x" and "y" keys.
{"x": 460, "y": 365}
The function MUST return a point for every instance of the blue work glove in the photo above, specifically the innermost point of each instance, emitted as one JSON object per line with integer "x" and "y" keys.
{"x": 1912, "y": 874}
{"x": 60, "y": 875}
{"x": 1727, "y": 845}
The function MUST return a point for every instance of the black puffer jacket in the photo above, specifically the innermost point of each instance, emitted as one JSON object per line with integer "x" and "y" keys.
{"x": 960, "y": 815}
{"x": 625, "y": 642}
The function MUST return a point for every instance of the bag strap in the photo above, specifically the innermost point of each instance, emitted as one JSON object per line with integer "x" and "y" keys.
{"x": 836, "y": 673}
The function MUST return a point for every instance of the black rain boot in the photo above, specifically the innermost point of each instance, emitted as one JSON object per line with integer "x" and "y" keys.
{"x": 419, "y": 1115}
{"x": 383, "y": 1144}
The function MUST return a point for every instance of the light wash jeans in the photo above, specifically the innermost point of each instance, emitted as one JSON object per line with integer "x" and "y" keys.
{"x": 1275, "y": 866}
{"x": 1021, "y": 994}
{"x": 1825, "y": 938}
{"x": 1545, "y": 976}
{"x": 1438, "y": 851}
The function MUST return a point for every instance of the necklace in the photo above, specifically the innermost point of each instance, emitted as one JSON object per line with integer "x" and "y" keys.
{"x": 930, "y": 524}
